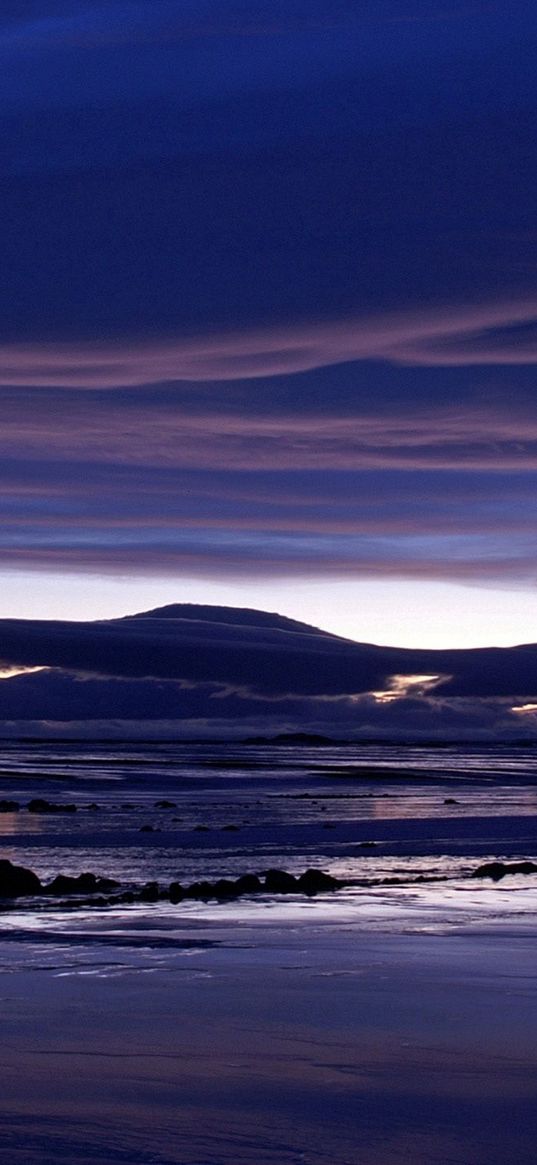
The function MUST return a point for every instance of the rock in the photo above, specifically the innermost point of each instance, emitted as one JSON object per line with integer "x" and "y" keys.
{"x": 39, "y": 805}
{"x": 450, "y": 801}
{"x": 176, "y": 892}
{"x": 16, "y": 881}
{"x": 93, "y": 806}
{"x": 149, "y": 892}
{"x": 165, "y": 805}
{"x": 201, "y": 829}
{"x": 224, "y": 888}
{"x": 248, "y": 884}
{"x": 201, "y": 890}
{"x": 147, "y": 829}
{"x": 315, "y": 881}
{"x": 231, "y": 828}
{"x": 9, "y": 806}
{"x": 497, "y": 870}
{"x": 82, "y": 884}
{"x": 280, "y": 882}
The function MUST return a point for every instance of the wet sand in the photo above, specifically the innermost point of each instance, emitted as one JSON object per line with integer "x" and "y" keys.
{"x": 285, "y": 1042}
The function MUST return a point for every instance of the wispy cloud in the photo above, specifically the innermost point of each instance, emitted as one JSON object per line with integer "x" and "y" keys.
{"x": 461, "y": 335}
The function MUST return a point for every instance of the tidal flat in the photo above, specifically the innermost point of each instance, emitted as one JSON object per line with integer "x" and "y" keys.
{"x": 391, "y": 1020}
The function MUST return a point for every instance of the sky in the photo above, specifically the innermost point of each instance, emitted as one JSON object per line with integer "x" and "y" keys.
{"x": 269, "y": 323}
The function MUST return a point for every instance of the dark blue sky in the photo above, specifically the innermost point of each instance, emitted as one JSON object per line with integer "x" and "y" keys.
{"x": 269, "y": 291}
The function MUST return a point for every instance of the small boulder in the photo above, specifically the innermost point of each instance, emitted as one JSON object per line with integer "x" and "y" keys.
{"x": 16, "y": 881}
{"x": 149, "y": 892}
{"x": 165, "y": 805}
{"x": 498, "y": 870}
{"x": 176, "y": 892}
{"x": 201, "y": 890}
{"x": 9, "y": 806}
{"x": 224, "y": 888}
{"x": 248, "y": 884}
{"x": 280, "y": 882}
{"x": 315, "y": 881}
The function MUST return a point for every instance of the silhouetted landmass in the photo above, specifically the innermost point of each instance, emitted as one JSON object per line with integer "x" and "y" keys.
{"x": 301, "y": 738}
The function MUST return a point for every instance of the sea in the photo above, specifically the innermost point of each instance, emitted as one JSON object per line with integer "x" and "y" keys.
{"x": 406, "y": 827}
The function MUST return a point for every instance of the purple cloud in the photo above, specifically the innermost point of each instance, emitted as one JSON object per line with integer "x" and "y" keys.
{"x": 461, "y": 335}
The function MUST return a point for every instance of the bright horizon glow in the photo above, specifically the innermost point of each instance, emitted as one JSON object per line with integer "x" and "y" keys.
{"x": 397, "y": 613}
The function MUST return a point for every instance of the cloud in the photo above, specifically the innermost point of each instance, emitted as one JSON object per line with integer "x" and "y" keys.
{"x": 305, "y": 424}
{"x": 202, "y": 671}
{"x": 462, "y": 335}
{"x": 257, "y": 653}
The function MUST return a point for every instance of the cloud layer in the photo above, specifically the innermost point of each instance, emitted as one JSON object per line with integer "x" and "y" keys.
{"x": 270, "y": 301}
{"x": 448, "y": 336}
{"x": 227, "y": 671}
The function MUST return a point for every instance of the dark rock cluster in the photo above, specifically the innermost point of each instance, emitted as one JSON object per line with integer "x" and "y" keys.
{"x": 39, "y": 805}
{"x": 89, "y": 889}
{"x": 498, "y": 870}
{"x": 16, "y": 882}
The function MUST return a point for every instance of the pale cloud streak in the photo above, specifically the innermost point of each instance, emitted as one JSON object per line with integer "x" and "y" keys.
{"x": 472, "y": 436}
{"x": 461, "y": 335}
